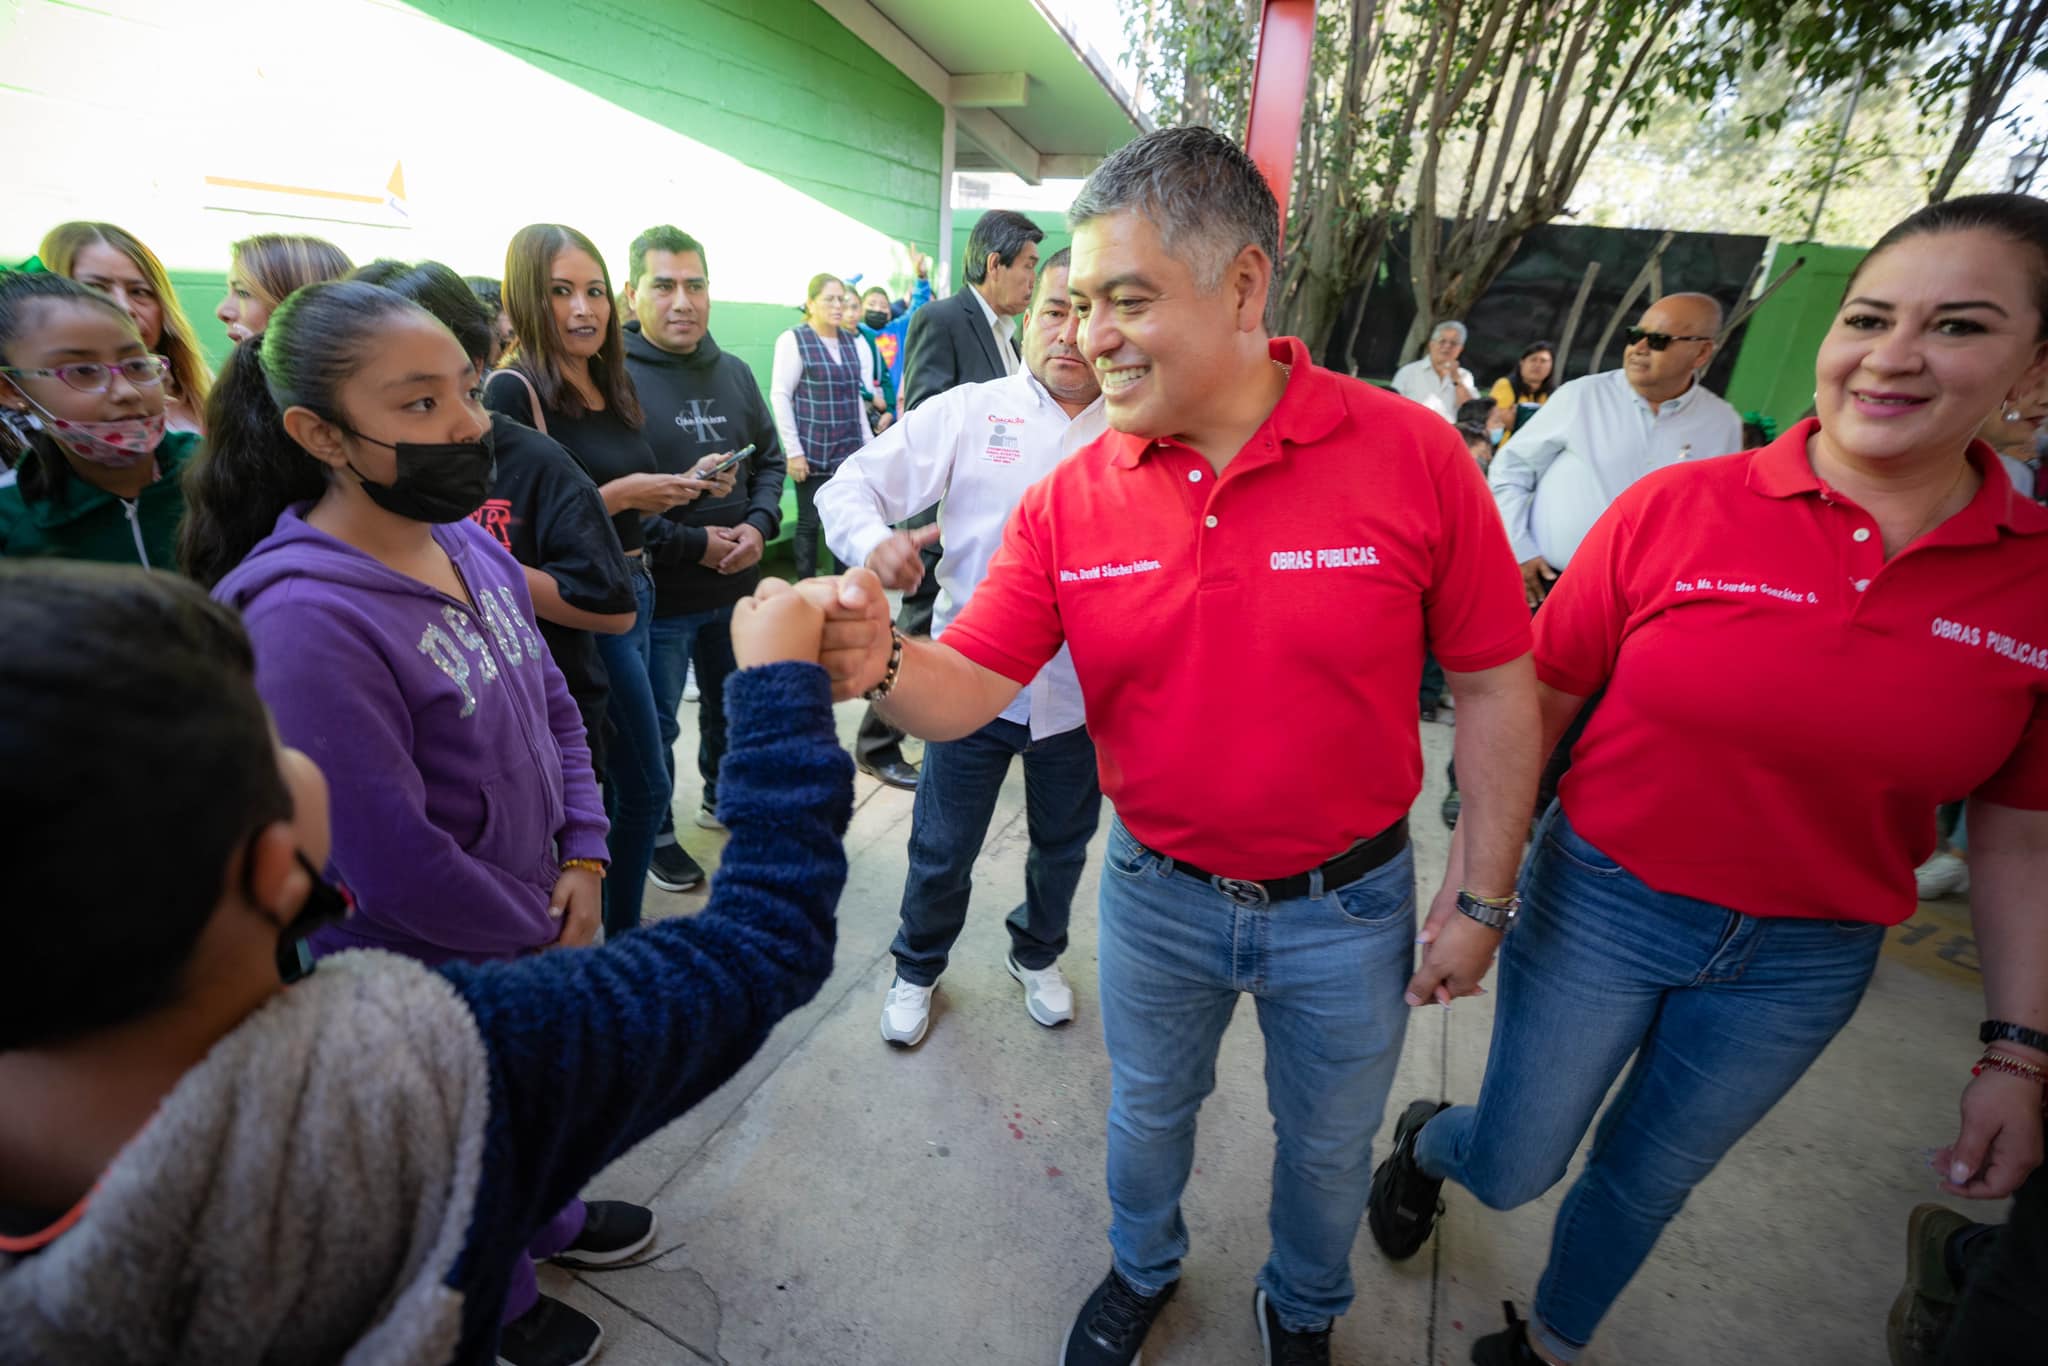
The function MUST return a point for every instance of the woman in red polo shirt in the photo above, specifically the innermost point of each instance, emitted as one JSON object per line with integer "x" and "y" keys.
{"x": 1805, "y": 648}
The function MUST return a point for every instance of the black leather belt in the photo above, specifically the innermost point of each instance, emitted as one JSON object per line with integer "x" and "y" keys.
{"x": 1349, "y": 866}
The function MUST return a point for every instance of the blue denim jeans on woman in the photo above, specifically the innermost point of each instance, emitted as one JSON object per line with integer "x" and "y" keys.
{"x": 636, "y": 787}
{"x": 1723, "y": 1012}
{"x": 1326, "y": 971}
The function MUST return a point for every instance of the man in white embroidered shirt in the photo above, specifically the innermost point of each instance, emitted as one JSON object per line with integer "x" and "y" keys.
{"x": 1437, "y": 381}
{"x": 975, "y": 449}
{"x": 1601, "y": 433}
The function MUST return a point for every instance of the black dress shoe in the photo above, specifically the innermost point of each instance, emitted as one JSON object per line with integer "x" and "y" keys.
{"x": 893, "y": 773}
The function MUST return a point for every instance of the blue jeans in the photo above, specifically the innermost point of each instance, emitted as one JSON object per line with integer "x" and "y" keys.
{"x": 1723, "y": 1013}
{"x": 1327, "y": 971}
{"x": 955, "y": 799}
{"x": 636, "y": 782}
{"x": 705, "y": 637}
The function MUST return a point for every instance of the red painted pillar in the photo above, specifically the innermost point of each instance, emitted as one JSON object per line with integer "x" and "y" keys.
{"x": 1287, "y": 40}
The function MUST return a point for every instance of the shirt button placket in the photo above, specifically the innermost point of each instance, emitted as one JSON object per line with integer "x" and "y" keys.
{"x": 1866, "y": 558}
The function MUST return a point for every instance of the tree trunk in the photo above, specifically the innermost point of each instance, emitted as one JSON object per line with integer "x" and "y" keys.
{"x": 2012, "y": 42}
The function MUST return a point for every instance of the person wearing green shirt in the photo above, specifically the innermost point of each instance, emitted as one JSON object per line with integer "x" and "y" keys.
{"x": 100, "y": 479}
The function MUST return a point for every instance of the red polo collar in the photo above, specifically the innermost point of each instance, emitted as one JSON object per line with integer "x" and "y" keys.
{"x": 1309, "y": 408}
{"x": 1783, "y": 470}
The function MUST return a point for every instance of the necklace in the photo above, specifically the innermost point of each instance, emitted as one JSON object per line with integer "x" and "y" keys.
{"x": 1939, "y": 503}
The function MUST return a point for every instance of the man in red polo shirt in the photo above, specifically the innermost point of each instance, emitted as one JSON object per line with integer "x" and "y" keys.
{"x": 1247, "y": 570}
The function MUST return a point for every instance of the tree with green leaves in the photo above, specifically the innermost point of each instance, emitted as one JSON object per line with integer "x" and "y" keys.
{"x": 1468, "y": 122}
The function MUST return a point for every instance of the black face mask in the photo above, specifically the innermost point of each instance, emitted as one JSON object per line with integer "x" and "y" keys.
{"x": 877, "y": 318}
{"x": 437, "y": 482}
{"x": 326, "y": 904}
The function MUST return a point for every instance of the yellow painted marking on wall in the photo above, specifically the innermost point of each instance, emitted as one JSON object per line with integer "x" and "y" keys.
{"x": 227, "y": 183}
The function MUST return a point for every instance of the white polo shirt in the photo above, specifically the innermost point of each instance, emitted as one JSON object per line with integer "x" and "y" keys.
{"x": 1419, "y": 381}
{"x": 1554, "y": 477}
{"x": 973, "y": 450}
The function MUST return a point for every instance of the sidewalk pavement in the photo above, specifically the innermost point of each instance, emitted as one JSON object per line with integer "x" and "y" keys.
{"x": 840, "y": 1203}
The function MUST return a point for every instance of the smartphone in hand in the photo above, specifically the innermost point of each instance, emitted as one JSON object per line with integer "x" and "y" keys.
{"x": 727, "y": 462}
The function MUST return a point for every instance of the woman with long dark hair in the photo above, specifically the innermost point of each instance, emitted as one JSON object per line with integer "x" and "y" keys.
{"x": 264, "y": 270}
{"x": 1708, "y": 894}
{"x": 395, "y": 645}
{"x": 815, "y": 390}
{"x": 1517, "y": 396}
{"x": 115, "y": 262}
{"x": 98, "y": 478}
{"x": 567, "y": 377}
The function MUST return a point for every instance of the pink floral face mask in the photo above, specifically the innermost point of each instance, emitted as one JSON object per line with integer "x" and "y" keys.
{"x": 120, "y": 444}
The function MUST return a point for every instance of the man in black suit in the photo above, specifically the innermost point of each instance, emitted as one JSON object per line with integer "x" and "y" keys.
{"x": 966, "y": 338}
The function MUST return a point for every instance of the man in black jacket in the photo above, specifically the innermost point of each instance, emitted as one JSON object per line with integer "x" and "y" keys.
{"x": 701, "y": 404}
{"x": 966, "y": 338}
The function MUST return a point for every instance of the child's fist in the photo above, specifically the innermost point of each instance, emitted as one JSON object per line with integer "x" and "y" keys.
{"x": 775, "y": 624}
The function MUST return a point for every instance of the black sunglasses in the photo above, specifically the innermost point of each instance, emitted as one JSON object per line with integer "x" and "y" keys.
{"x": 1657, "y": 340}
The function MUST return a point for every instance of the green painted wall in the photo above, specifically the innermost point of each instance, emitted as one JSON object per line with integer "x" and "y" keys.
{"x": 762, "y": 126}
{"x": 779, "y": 84}
{"x": 1774, "y": 372}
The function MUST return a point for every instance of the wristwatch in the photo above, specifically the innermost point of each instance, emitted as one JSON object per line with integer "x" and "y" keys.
{"x": 1494, "y": 912}
{"x": 1995, "y": 1031}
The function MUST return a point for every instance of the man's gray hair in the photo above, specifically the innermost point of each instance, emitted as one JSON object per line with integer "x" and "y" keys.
{"x": 1449, "y": 325}
{"x": 1207, "y": 198}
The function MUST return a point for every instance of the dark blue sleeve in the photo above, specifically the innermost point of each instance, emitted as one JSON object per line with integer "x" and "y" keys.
{"x": 592, "y": 1050}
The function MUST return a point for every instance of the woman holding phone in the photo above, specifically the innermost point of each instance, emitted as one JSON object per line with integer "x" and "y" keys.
{"x": 567, "y": 377}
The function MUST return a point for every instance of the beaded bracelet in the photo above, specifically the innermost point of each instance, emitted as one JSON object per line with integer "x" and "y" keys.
{"x": 2011, "y": 1066}
{"x": 583, "y": 865}
{"x": 881, "y": 689}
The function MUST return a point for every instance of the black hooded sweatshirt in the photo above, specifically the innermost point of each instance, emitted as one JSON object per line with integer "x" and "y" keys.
{"x": 698, "y": 406}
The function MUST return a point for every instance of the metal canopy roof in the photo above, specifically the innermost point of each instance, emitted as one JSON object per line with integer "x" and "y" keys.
{"x": 1028, "y": 96}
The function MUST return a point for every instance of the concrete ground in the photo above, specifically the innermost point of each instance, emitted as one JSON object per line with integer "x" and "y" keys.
{"x": 841, "y": 1202}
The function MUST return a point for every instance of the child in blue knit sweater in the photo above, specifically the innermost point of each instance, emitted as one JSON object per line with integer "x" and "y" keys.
{"x": 201, "y": 1163}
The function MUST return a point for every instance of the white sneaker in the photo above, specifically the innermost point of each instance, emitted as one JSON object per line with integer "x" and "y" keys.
{"x": 906, "y": 1014}
{"x": 707, "y": 819}
{"x": 1943, "y": 875}
{"x": 1046, "y": 993}
{"x": 690, "y": 693}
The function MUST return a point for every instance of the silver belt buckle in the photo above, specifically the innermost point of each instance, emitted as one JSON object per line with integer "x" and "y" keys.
{"x": 1241, "y": 891}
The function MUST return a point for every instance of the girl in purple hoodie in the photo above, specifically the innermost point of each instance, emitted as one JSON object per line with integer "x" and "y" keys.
{"x": 395, "y": 644}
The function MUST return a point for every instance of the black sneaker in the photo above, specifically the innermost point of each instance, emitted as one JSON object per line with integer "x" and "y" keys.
{"x": 1403, "y": 1207}
{"x": 1284, "y": 1348}
{"x": 1113, "y": 1324}
{"x": 673, "y": 870}
{"x": 1453, "y": 806}
{"x": 549, "y": 1334}
{"x": 614, "y": 1234}
{"x": 1509, "y": 1347}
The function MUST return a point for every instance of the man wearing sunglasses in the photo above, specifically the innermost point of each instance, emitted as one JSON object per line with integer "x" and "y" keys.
{"x": 1601, "y": 433}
